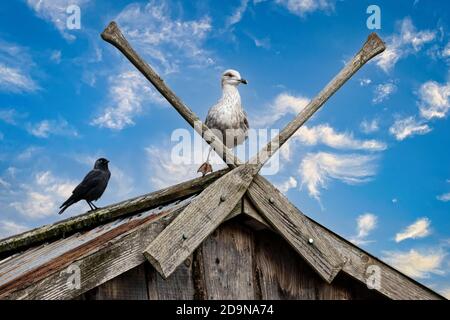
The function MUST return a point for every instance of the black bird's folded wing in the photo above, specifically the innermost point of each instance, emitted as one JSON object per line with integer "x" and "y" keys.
{"x": 90, "y": 182}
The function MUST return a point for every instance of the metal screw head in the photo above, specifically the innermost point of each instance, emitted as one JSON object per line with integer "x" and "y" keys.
{"x": 271, "y": 200}
{"x": 223, "y": 198}
{"x": 310, "y": 240}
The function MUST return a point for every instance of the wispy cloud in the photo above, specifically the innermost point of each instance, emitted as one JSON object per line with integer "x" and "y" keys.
{"x": 9, "y": 228}
{"x": 11, "y": 116}
{"x": 168, "y": 42}
{"x": 419, "y": 229}
{"x": 54, "y": 11}
{"x": 416, "y": 264}
{"x": 282, "y": 105}
{"x": 369, "y": 126}
{"x": 326, "y": 135}
{"x": 317, "y": 169}
{"x": 404, "y": 128}
{"x": 406, "y": 41}
{"x": 236, "y": 16}
{"x": 365, "y": 224}
{"x": 286, "y": 185}
{"x": 128, "y": 92}
{"x": 43, "y": 195}
{"x": 434, "y": 100}
{"x": 444, "y": 197}
{"x": 363, "y": 82}
{"x": 15, "y": 67}
{"x": 383, "y": 91}
{"x": 304, "y": 7}
{"x": 47, "y": 128}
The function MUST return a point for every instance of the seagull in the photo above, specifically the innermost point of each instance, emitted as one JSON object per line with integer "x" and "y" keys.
{"x": 227, "y": 119}
{"x": 92, "y": 186}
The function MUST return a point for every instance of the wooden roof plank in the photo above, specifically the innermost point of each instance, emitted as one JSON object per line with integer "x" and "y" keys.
{"x": 293, "y": 226}
{"x": 70, "y": 226}
{"x": 203, "y": 215}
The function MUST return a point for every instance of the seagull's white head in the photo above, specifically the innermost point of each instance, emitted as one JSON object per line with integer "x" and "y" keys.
{"x": 232, "y": 77}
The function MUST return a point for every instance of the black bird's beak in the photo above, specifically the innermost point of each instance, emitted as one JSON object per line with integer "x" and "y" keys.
{"x": 243, "y": 81}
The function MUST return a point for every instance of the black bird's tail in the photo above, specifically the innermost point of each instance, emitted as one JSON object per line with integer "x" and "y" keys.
{"x": 67, "y": 204}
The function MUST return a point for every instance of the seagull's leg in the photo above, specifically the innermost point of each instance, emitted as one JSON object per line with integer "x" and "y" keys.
{"x": 90, "y": 205}
{"x": 206, "y": 167}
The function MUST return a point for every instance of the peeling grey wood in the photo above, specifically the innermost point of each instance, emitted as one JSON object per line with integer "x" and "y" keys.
{"x": 372, "y": 47}
{"x": 130, "y": 285}
{"x": 227, "y": 263}
{"x": 179, "y": 286}
{"x": 393, "y": 285}
{"x": 92, "y": 219}
{"x": 114, "y": 36}
{"x": 295, "y": 228}
{"x": 106, "y": 262}
{"x": 203, "y": 215}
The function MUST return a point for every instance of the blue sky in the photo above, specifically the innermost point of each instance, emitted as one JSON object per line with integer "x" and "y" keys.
{"x": 372, "y": 165}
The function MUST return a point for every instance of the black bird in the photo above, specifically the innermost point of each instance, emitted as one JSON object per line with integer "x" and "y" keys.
{"x": 92, "y": 186}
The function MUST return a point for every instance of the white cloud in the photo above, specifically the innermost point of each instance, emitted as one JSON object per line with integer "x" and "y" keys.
{"x": 54, "y": 11}
{"x": 15, "y": 80}
{"x": 446, "y": 293}
{"x": 303, "y": 7}
{"x": 446, "y": 51}
{"x": 282, "y": 105}
{"x": 405, "y": 42}
{"x": 15, "y": 68}
{"x": 369, "y": 126}
{"x": 364, "y": 82}
{"x": 416, "y": 264}
{"x": 28, "y": 153}
{"x": 404, "y": 128}
{"x": 4, "y": 184}
{"x": 365, "y": 224}
{"x": 327, "y": 135}
{"x": 237, "y": 14}
{"x": 43, "y": 195}
{"x": 419, "y": 229}
{"x": 46, "y": 128}
{"x": 10, "y": 116}
{"x": 383, "y": 91}
{"x": 434, "y": 100}
{"x": 285, "y": 186}
{"x": 316, "y": 169}
{"x": 128, "y": 92}
{"x": 444, "y": 197}
{"x": 9, "y": 228}
{"x": 56, "y": 56}
{"x": 167, "y": 42}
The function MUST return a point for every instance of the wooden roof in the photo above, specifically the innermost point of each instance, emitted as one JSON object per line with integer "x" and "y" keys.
{"x": 111, "y": 241}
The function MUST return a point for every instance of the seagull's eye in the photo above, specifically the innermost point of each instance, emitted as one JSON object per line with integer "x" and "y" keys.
{"x": 228, "y": 75}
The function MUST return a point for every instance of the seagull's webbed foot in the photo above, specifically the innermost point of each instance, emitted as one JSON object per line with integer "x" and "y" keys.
{"x": 205, "y": 168}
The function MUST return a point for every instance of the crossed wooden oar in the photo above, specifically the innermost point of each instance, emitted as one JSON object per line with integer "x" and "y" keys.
{"x": 208, "y": 210}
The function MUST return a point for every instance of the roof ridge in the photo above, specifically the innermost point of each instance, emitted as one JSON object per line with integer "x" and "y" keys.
{"x": 95, "y": 218}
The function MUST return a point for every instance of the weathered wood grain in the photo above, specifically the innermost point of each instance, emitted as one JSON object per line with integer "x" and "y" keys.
{"x": 131, "y": 285}
{"x": 179, "y": 286}
{"x": 70, "y": 226}
{"x": 295, "y": 228}
{"x": 372, "y": 47}
{"x": 394, "y": 284}
{"x": 114, "y": 36}
{"x": 284, "y": 275}
{"x": 203, "y": 215}
{"x": 227, "y": 263}
{"x": 99, "y": 261}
